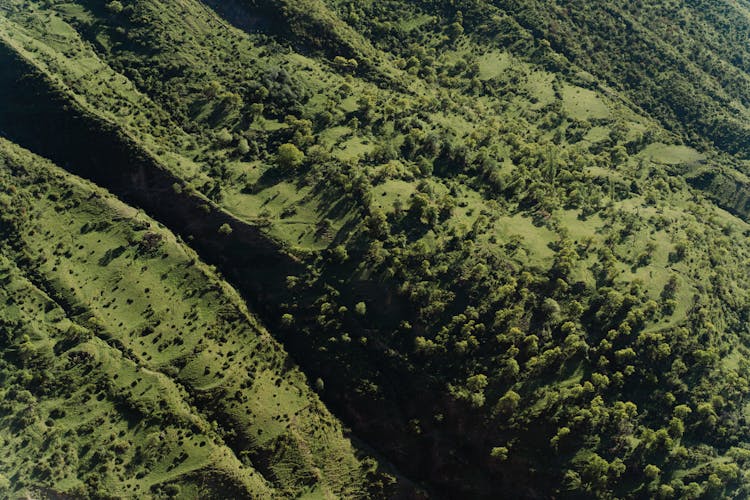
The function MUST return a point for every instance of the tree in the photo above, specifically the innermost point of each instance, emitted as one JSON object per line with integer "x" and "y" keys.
{"x": 676, "y": 428}
{"x": 477, "y": 383}
{"x": 596, "y": 470}
{"x": 243, "y": 147}
{"x": 172, "y": 490}
{"x": 670, "y": 288}
{"x": 360, "y": 308}
{"x": 345, "y": 64}
{"x": 213, "y": 89}
{"x": 651, "y": 471}
{"x": 551, "y": 309}
{"x": 340, "y": 254}
{"x": 115, "y": 7}
{"x": 225, "y": 229}
{"x": 378, "y": 224}
{"x": 456, "y": 29}
{"x": 256, "y": 110}
{"x": 508, "y": 403}
{"x": 289, "y": 157}
{"x": 224, "y": 137}
{"x": 499, "y": 453}
{"x": 421, "y": 209}
{"x": 319, "y": 385}
{"x": 619, "y": 154}
{"x": 682, "y": 411}
{"x": 287, "y": 320}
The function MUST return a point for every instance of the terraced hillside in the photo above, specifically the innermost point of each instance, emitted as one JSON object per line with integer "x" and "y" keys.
{"x": 506, "y": 241}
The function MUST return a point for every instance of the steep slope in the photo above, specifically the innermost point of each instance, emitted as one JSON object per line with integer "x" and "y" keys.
{"x": 683, "y": 63}
{"x": 80, "y": 418}
{"x": 508, "y": 239}
{"x": 686, "y": 64}
{"x": 132, "y": 356}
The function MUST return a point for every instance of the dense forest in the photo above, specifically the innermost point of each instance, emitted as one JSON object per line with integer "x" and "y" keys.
{"x": 359, "y": 249}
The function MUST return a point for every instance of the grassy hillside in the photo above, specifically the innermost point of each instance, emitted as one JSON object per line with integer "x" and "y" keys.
{"x": 507, "y": 241}
{"x": 131, "y": 369}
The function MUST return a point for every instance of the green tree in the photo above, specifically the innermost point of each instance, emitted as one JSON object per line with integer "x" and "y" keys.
{"x": 319, "y": 385}
{"x": 287, "y": 320}
{"x": 651, "y": 471}
{"x": 115, "y": 7}
{"x": 360, "y": 308}
{"x": 345, "y": 64}
{"x": 289, "y": 157}
{"x": 224, "y": 137}
{"x": 256, "y": 110}
{"x": 243, "y": 147}
{"x": 340, "y": 254}
{"x": 499, "y": 453}
{"x": 508, "y": 403}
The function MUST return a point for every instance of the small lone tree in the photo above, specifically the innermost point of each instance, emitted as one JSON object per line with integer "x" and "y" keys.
{"x": 360, "y": 308}
{"x": 499, "y": 453}
{"x": 319, "y": 385}
{"x": 289, "y": 156}
{"x": 287, "y": 320}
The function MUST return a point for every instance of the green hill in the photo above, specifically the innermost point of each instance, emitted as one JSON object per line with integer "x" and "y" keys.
{"x": 506, "y": 240}
{"x": 130, "y": 368}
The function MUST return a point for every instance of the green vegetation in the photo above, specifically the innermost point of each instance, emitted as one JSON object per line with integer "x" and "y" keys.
{"x": 504, "y": 241}
{"x": 130, "y": 369}
{"x": 289, "y": 157}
